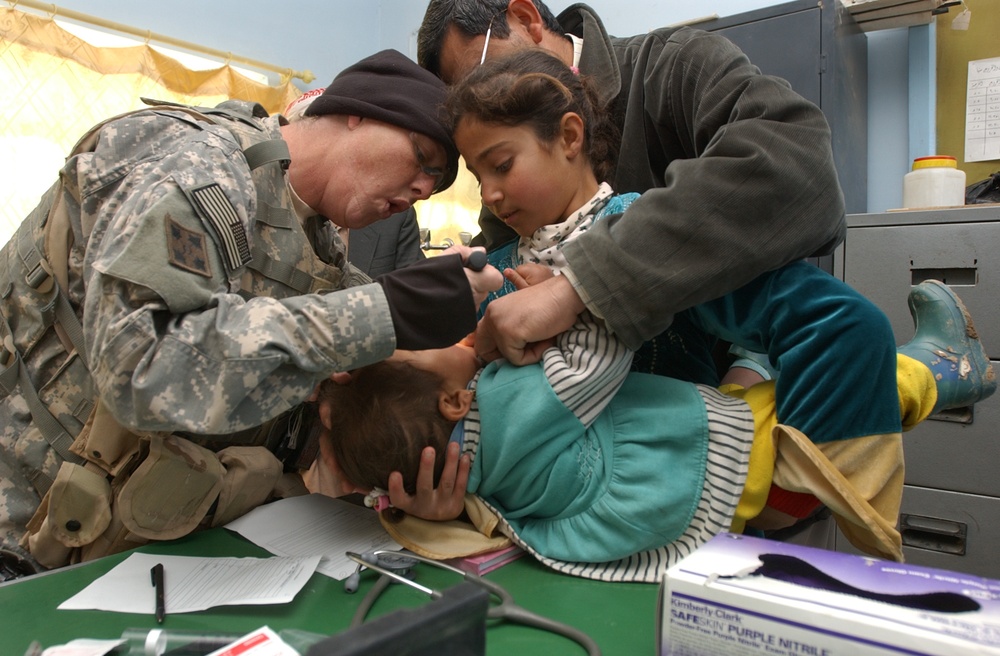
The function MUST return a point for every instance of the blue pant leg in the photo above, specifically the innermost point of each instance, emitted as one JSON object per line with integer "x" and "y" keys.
{"x": 683, "y": 351}
{"x": 834, "y": 350}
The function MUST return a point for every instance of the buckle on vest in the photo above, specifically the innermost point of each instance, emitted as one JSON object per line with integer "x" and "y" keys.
{"x": 38, "y": 276}
{"x": 13, "y": 566}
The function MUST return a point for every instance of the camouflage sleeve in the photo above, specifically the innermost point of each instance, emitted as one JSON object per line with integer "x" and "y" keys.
{"x": 171, "y": 345}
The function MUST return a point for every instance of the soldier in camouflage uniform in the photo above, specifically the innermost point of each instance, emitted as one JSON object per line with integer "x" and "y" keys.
{"x": 177, "y": 291}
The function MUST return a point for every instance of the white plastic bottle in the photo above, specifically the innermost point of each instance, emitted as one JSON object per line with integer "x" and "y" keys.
{"x": 934, "y": 181}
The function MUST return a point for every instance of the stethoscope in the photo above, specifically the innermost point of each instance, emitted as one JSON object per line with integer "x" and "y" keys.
{"x": 395, "y": 566}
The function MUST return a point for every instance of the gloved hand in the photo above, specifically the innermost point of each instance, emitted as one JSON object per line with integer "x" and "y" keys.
{"x": 483, "y": 277}
{"x": 431, "y": 303}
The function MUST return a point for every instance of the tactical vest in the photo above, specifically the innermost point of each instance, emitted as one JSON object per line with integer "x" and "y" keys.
{"x": 116, "y": 489}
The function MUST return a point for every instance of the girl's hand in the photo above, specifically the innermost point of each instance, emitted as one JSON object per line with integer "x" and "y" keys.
{"x": 528, "y": 274}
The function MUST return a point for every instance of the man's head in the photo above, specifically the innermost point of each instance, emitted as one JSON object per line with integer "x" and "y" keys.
{"x": 378, "y": 141}
{"x": 453, "y": 36}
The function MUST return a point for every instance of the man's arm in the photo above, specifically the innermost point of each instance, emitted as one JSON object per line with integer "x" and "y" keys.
{"x": 742, "y": 179}
{"x": 519, "y": 326}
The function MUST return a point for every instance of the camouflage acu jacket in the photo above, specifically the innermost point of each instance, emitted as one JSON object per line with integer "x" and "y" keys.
{"x": 206, "y": 305}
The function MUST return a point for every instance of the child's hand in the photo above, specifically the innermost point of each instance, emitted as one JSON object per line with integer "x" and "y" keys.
{"x": 528, "y": 274}
{"x": 447, "y": 500}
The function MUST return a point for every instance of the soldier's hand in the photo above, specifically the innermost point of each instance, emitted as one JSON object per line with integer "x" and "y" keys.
{"x": 483, "y": 278}
{"x": 447, "y": 500}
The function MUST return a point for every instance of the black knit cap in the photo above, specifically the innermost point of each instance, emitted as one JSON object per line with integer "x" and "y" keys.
{"x": 390, "y": 87}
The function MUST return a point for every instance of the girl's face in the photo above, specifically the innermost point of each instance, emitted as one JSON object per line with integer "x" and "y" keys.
{"x": 524, "y": 181}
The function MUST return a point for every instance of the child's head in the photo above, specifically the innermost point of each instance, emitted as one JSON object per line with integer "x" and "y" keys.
{"x": 390, "y": 411}
{"x": 534, "y": 134}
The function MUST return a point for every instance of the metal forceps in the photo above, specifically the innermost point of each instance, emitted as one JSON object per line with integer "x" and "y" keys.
{"x": 505, "y": 610}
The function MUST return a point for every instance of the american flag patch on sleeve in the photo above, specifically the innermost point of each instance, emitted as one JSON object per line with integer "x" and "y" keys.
{"x": 225, "y": 223}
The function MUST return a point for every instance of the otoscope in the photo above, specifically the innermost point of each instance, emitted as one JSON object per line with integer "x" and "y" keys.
{"x": 476, "y": 261}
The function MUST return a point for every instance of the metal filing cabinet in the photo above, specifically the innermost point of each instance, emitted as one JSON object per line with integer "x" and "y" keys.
{"x": 950, "y": 515}
{"x": 819, "y": 49}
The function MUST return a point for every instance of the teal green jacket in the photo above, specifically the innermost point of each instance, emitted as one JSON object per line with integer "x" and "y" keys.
{"x": 630, "y": 482}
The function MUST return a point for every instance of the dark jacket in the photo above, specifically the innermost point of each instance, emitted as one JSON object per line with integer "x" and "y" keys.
{"x": 386, "y": 245}
{"x": 736, "y": 172}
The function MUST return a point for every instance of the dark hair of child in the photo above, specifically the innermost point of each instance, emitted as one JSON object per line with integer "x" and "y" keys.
{"x": 382, "y": 420}
{"x": 534, "y": 88}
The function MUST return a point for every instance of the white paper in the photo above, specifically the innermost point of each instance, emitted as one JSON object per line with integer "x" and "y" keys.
{"x": 982, "y": 111}
{"x": 192, "y": 584}
{"x": 83, "y": 647}
{"x": 315, "y": 525}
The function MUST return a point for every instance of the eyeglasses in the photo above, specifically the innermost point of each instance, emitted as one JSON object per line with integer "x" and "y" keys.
{"x": 489, "y": 31}
{"x": 434, "y": 172}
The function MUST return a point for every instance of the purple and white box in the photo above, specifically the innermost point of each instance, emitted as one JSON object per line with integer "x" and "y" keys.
{"x": 740, "y": 595}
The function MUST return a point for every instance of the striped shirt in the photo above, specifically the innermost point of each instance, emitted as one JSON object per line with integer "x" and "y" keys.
{"x": 588, "y": 363}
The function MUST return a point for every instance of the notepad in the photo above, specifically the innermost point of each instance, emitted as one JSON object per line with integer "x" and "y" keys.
{"x": 487, "y": 562}
{"x": 194, "y": 584}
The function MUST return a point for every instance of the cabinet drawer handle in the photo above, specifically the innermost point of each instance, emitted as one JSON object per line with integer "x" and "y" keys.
{"x": 933, "y": 534}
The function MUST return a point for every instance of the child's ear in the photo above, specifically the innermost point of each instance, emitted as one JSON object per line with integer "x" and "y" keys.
{"x": 455, "y": 404}
{"x": 572, "y": 133}
{"x": 324, "y": 414}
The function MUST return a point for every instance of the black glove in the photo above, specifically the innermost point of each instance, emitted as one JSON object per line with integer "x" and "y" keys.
{"x": 430, "y": 302}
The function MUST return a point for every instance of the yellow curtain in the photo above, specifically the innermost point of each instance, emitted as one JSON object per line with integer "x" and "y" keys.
{"x": 56, "y": 86}
{"x": 454, "y": 211}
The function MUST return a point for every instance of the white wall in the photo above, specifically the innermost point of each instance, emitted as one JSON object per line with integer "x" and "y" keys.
{"x": 326, "y": 35}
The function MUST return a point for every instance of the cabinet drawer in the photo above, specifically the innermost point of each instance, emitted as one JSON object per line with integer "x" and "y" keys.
{"x": 947, "y": 530}
{"x": 884, "y": 261}
{"x": 958, "y": 456}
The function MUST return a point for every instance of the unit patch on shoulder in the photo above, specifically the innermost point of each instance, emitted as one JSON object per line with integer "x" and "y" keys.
{"x": 186, "y": 249}
{"x": 225, "y": 222}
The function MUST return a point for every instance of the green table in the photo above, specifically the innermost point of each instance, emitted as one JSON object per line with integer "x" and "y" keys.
{"x": 621, "y": 617}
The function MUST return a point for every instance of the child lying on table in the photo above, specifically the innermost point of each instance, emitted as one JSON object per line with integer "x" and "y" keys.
{"x": 660, "y": 470}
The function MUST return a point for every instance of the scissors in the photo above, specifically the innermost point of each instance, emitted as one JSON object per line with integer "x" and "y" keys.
{"x": 394, "y": 566}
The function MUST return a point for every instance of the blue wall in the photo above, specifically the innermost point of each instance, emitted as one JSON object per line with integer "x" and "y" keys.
{"x": 324, "y": 36}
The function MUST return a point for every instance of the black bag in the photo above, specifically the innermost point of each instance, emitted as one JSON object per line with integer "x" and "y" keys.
{"x": 984, "y": 191}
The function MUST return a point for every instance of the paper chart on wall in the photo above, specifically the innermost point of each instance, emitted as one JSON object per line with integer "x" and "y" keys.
{"x": 982, "y": 113}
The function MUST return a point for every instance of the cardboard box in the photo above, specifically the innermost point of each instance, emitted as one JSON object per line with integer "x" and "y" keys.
{"x": 739, "y": 595}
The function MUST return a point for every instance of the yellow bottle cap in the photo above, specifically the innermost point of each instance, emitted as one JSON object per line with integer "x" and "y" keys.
{"x": 935, "y": 161}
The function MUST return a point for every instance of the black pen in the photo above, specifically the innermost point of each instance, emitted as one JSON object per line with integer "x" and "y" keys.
{"x": 157, "y": 576}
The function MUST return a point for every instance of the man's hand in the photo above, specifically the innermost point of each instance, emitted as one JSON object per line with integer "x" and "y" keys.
{"x": 521, "y": 325}
{"x": 482, "y": 282}
{"x": 447, "y": 501}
